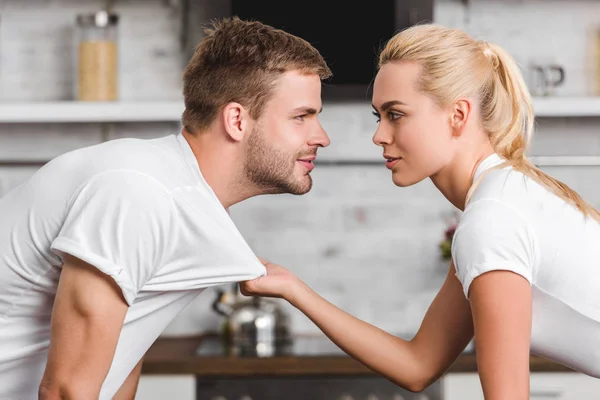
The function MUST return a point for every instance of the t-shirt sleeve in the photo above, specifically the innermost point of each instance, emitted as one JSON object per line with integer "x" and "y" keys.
{"x": 119, "y": 222}
{"x": 492, "y": 236}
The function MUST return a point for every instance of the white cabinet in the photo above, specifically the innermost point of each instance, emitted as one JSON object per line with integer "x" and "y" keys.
{"x": 544, "y": 386}
{"x": 461, "y": 386}
{"x": 564, "y": 386}
{"x": 161, "y": 387}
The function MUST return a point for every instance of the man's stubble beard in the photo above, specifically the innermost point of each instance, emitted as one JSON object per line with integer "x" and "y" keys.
{"x": 270, "y": 170}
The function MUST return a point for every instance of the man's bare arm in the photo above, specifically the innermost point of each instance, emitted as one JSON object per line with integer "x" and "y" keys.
{"x": 87, "y": 318}
{"x": 129, "y": 387}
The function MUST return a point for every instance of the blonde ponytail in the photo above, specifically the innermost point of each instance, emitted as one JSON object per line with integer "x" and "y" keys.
{"x": 455, "y": 65}
{"x": 513, "y": 141}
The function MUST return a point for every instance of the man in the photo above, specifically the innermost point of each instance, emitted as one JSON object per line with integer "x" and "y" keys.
{"x": 104, "y": 245}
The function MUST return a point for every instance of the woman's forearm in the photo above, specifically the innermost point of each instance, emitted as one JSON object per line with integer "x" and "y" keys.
{"x": 382, "y": 352}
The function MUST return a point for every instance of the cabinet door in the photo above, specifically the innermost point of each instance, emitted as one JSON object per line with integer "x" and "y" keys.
{"x": 462, "y": 386}
{"x": 544, "y": 386}
{"x": 564, "y": 386}
{"x": 161, "y": 387}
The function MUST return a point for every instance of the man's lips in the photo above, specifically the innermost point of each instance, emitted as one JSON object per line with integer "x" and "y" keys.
{"x": 307, "y": 162}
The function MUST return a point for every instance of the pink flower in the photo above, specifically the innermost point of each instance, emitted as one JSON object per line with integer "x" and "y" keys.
{"x": 449, "y": 233}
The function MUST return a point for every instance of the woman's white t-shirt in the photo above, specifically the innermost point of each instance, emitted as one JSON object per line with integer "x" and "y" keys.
{"x": 513, "y": 223}
{"x": 139, "y": 211}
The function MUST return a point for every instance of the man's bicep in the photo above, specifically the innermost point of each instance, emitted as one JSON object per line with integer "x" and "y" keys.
{"x": 87, "y": 318}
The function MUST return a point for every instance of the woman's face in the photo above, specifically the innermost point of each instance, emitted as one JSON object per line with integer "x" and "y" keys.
{"x": 415, "y": 133}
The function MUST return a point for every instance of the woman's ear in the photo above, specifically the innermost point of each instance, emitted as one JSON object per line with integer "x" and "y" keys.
{"x": 460, "y": 114}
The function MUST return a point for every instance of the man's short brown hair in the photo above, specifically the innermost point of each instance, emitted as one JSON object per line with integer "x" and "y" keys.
{"x": 240, "y": 61}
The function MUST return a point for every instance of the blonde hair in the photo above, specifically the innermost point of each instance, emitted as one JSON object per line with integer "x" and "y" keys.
{"x": 454, "y": 65}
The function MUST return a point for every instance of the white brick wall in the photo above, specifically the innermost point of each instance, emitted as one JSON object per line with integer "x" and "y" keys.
{"x": 561, "y": 31}
{"x": 366, "y": 245}
{"x": 38, "y": 57}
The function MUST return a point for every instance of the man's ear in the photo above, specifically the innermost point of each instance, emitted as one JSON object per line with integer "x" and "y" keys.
{"x": 236, "y": 120}
{"x": 460, "y": 112}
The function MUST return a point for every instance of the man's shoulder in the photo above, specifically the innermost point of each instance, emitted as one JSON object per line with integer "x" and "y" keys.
{"x": 150, "y": 157}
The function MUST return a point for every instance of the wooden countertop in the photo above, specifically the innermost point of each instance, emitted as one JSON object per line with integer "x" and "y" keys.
{"x": 178, "y": 356}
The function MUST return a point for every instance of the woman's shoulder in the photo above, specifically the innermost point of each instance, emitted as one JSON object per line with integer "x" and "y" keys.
{"x": 508, "y": 186}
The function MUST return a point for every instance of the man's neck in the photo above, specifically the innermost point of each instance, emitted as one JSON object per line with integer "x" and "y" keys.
{"x": 220, "y": 167}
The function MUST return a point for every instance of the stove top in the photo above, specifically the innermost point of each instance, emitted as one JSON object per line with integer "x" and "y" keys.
{"x": 308, "y": 346}
{"x": 313, "y": 387}
{"x": 300, "y": 346}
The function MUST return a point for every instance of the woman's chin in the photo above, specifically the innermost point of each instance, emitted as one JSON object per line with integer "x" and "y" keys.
{"x": 403, "y": 180}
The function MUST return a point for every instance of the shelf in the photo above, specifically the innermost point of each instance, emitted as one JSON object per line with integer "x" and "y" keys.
{"x": 565, "y": 161}
{"x": 567, "y": 106}
{"x": 149, "y": 111}
{"x": 541, "y": 161}
{"x": 68, "y": 111}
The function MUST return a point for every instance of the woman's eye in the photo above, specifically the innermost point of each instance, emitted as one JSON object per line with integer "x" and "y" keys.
{"x": 389, "y": 115}
{"x": 393, "y": 116}
{"x": 376, "y": 114}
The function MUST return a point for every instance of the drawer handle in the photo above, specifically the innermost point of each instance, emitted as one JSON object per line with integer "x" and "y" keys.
{"x": 546, "y": 393}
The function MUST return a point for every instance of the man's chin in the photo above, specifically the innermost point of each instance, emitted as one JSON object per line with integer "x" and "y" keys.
{"x": 298, "y": 186}
{"x": 302, "y": 186}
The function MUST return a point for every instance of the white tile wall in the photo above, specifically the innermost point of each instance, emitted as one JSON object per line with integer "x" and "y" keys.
{"x": 366, "y": 245}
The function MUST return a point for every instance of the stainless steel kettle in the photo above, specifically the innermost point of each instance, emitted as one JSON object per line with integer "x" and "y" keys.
{"x": 253, "y": 326}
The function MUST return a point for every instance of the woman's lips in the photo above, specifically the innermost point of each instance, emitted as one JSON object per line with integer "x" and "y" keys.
{"x": 390, "y": 162}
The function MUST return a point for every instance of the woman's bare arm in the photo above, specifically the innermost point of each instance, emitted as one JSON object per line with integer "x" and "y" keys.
{"x": 444, "y": 333}
{"x": 501, "y": 306}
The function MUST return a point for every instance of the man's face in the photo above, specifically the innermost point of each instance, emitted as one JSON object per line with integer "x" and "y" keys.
{"x": 283, "y": 143}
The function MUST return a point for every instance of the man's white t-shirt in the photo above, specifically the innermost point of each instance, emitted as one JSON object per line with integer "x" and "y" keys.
{"x": 139, "y": 211}
{"x": 513, "y": 223}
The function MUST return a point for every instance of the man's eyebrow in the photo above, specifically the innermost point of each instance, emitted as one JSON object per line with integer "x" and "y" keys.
{"x": 306, "y": 110}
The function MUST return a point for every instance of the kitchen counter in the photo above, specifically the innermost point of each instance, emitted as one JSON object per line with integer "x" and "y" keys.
{"x": 205, "y": 356}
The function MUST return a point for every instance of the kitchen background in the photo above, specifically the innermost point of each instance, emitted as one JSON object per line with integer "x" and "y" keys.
{"x": 369, "y": 247}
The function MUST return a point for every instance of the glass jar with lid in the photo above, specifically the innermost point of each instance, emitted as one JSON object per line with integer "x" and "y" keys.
{"x": 97, "y": 57}
{"x": 597, "y": 62}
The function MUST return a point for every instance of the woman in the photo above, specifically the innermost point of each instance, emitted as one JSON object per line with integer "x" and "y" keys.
{"x": 525, "y": 270}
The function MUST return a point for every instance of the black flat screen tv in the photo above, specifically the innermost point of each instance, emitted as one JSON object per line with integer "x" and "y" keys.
{"x": 348, "y": 35}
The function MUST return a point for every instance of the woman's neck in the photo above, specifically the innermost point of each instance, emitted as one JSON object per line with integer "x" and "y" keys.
{"x": 455, "y": 180}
